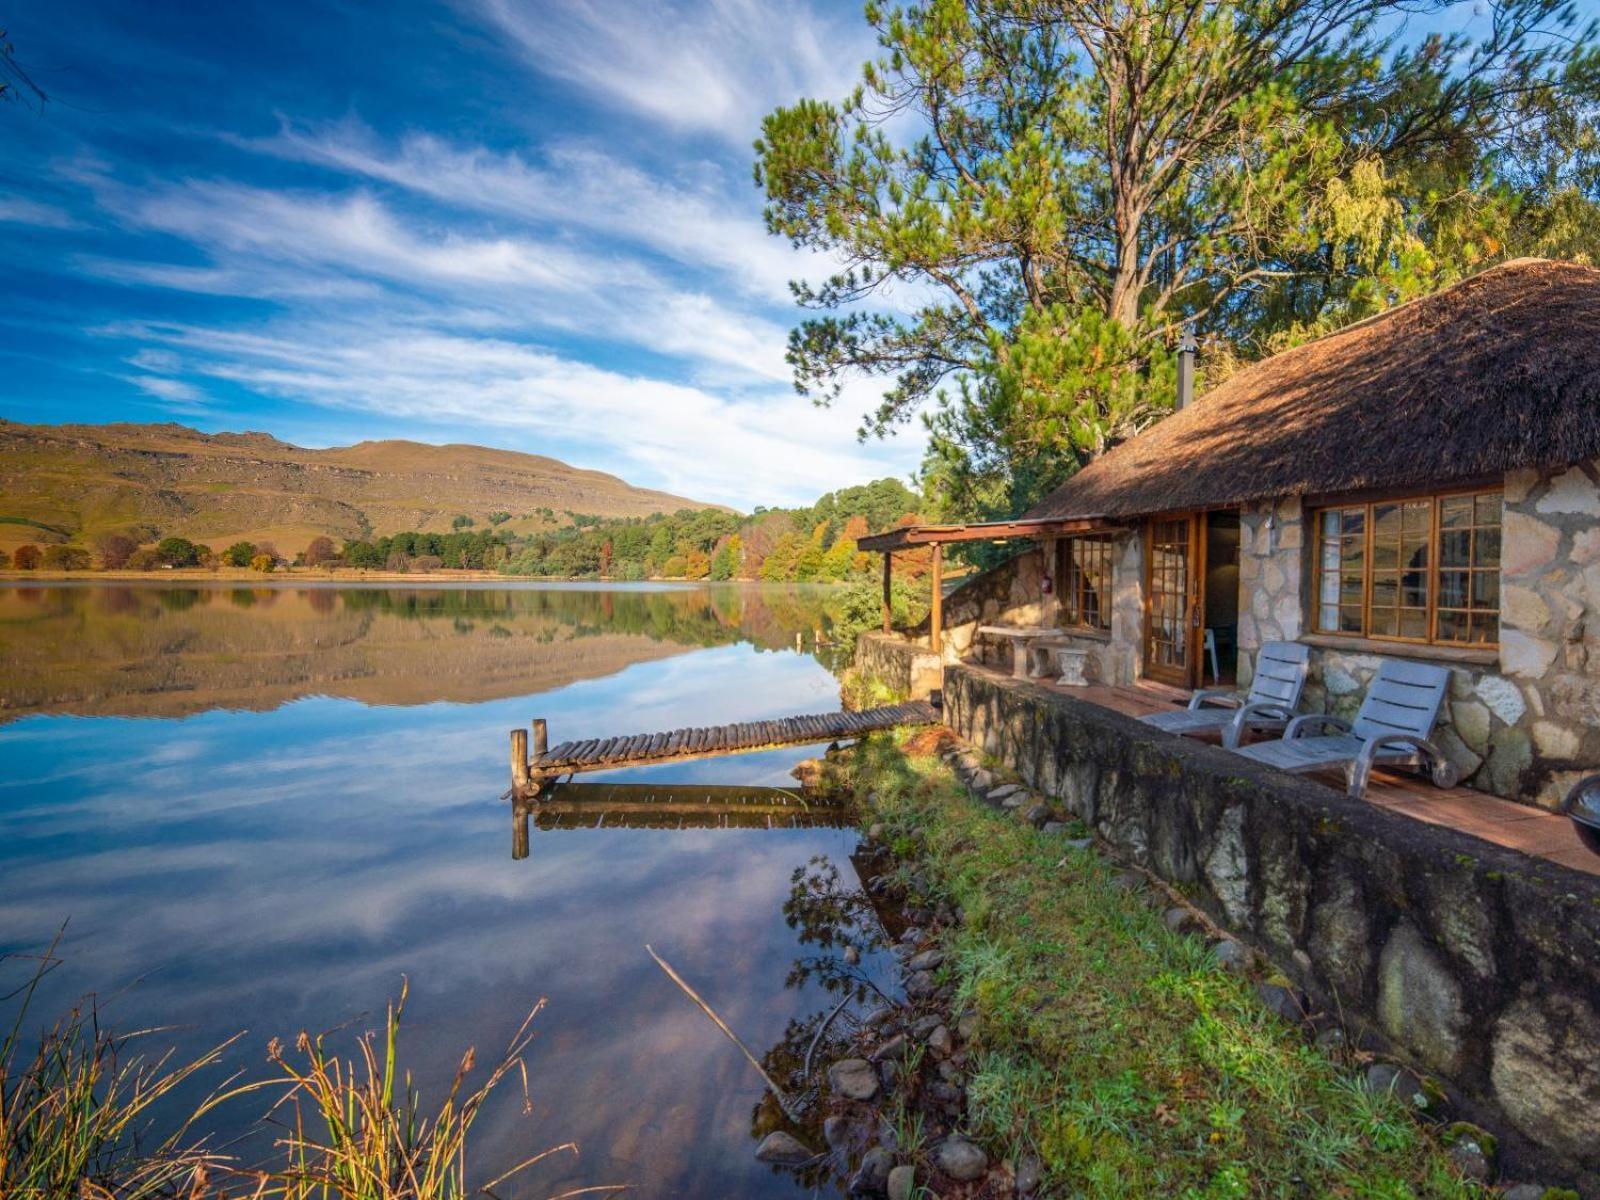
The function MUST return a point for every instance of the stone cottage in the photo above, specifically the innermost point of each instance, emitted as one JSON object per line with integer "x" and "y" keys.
{"x": 1423, "y": 485}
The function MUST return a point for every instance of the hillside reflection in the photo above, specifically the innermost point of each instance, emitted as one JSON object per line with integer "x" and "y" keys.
{"x": 157, "y": 651}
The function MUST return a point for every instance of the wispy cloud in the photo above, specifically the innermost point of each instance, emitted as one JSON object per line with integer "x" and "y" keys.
{"x": 712, "y": 67}
{"x": 699, "y": 217}
{"x": 690, "y": 440}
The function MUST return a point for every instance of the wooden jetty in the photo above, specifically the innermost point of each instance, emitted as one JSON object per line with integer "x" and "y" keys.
{"x": 530, "y": 770}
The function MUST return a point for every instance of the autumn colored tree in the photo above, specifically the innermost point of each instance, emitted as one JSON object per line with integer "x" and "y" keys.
{"x": 27, "y": 557}
{"x": 264, "y": 563}
{"x": 114, "y": 550}
{"x": 320, "y": 550}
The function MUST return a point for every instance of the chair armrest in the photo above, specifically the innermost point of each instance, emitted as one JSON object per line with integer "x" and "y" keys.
{"x": 1315, "y": 721}
{"x": 1441, "y": 769}
{"x": 1220, "y": 697}
{"x": 1261, "y": 712}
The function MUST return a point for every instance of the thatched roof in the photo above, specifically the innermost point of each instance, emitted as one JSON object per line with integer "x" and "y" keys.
{"x": 1498, "y": 372}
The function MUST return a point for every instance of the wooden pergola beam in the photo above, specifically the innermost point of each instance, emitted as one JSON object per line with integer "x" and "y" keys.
{"x": 933, "y": 535}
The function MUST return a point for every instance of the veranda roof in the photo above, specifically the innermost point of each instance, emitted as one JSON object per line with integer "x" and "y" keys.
{"x": 1498, "y": 372}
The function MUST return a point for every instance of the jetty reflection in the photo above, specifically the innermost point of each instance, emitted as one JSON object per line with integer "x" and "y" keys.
{"x": 668, "y": 806}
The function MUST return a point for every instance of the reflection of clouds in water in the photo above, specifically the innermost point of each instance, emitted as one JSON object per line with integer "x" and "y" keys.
{"x": 277, "y": 870}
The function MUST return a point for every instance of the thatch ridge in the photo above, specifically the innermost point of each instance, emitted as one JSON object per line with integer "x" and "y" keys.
{"x": 1497, "y": 372}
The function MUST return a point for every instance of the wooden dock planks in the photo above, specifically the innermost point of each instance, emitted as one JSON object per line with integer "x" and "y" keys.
{"x": 595, "y": 754}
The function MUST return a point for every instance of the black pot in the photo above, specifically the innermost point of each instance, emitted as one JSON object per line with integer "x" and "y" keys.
{"x": 1583, "y": 806}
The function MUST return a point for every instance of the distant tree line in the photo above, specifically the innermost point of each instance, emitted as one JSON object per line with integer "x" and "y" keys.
{"x": 812, "y": 543}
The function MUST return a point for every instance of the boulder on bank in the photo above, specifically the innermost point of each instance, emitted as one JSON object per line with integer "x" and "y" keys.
{"x": 961, "y": 1159}
{"x": 854, "y": 1079}
{"x": 783, "y": 1150}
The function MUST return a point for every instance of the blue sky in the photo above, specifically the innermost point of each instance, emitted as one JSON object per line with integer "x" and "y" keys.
{"x": 523, "y": 223}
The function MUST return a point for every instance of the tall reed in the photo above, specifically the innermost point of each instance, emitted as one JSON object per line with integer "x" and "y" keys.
{"x": 76, "y": 1115}
{"x": 356, "y": 1129}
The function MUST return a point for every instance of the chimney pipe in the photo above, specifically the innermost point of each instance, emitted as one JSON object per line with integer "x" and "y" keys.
{"x": 1186, "y": 349}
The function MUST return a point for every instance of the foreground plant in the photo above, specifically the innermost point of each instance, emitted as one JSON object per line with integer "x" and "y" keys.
{"x": 76, "y": 1111}
{"x": 357, "y": 1130}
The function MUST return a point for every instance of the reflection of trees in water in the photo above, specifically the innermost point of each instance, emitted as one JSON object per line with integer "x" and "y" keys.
{"x": 838, "y": 921}
{"x": 186, "y": 648}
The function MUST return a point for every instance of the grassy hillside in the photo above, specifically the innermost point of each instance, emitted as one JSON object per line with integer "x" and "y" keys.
{"x": 68, "y": 482}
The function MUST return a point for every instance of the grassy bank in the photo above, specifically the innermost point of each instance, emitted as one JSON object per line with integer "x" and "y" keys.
{"x": 1112, "y": 1048}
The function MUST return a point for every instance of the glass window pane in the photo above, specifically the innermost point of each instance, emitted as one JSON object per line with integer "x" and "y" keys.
{"x": 1418, "y": 518}
{"x": 1485, "y": 627}
{"x": 1413, "y": 623}
{"x": 1353, "y": 522}
{"x": 1486, "y": 547}
{"x": 1488, "y": 508}
{"x": 1452, "y": 625}
{"x": 1452, "y": 589}
{"x": 1349, "y": 620}
{"x": 1385, "y": 589}
{"x": 1385, "y": 622}
{"x": 1455, "y": 512}
{"x": 1385, "y": 522}
{"x": 1455, "y": 548}
{"x": 1328, "y": 618}
{"x": 1330, "y": 523}
{"x": 1485, "y": 589}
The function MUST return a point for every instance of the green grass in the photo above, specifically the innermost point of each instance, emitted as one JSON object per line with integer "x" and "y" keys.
{"x": 1113, "y": 1048}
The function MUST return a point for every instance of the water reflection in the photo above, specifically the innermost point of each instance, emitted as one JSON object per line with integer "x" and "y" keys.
{"x": 271, "y": 865}
{"x": 143, "y": 650}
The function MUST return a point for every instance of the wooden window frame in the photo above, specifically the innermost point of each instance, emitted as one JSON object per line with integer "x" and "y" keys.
{"x": 1368, "y": 503}
{"x": 1069, "y": 598}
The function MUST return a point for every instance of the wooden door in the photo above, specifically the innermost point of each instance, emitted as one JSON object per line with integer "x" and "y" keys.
{"x": 1173, "y": 570}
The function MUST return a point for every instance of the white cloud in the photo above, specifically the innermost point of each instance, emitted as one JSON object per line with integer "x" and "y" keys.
{"x": 310, "y": 245}
{"x": 714, "y": 67}
{"x": 17, "y": 211}
{"x": 763, "y": 446}
{"x": 704, "y": 221}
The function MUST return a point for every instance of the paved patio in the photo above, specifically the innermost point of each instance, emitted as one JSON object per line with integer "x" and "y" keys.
{"x": 1521, "y": 827}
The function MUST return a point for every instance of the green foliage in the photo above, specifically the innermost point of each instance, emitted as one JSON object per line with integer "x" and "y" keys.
{"x": 1112, "y": 1047}
{"x": 66, "y": 558}
{"x": 499, "y": 518}
{"x": 178, "y": 552}
{"x": 239, "y": 554}
{"x": 1076, "y": 181}
{"x": 702, "y": 543}
{"x": 476, "y": 550}
{"x": 462, "y": 522}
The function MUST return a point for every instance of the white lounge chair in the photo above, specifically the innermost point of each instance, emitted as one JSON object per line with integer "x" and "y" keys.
{"x": 1391, "y": 729}
{"x": 1267, "y": 707}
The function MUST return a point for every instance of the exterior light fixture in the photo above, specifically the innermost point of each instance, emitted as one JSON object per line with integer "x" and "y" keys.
{"x": 1583, "y": 807}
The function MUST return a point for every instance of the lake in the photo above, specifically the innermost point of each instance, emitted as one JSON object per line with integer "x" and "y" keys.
{"x": 259, "y": 808}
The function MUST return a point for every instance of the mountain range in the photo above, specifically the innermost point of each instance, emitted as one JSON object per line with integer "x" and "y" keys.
{"x": 65, "y": 483}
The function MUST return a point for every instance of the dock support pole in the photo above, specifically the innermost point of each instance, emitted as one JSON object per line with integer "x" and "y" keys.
{"x": 888, "y": 601}
{"x": 519, "y": 761}
{"x": 541, "y": 738}
{"x": 936, "y": 610}
{"x": 519, "y": 830}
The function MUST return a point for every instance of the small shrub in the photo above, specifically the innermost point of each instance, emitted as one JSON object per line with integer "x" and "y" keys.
{"x": 264, "y": 563}
{"x": 27, "y": 557}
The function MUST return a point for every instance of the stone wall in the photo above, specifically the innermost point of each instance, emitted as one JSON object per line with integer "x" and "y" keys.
{"x": 1523, "y": 727}
{"x": 1480, "y": 964}
{"x": 907, "y": 668}
{"x": 1550, "y": 630}
{"x": 1013, "y": 594}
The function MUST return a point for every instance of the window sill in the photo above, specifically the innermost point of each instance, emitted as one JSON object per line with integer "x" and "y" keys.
{"x": 1470, "y": 655}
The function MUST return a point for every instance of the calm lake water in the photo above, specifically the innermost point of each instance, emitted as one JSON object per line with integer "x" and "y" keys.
{"x": 259, "y": 808}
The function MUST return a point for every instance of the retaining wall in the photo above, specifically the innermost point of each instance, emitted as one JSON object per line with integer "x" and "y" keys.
{"x": 1480, "y": 963}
